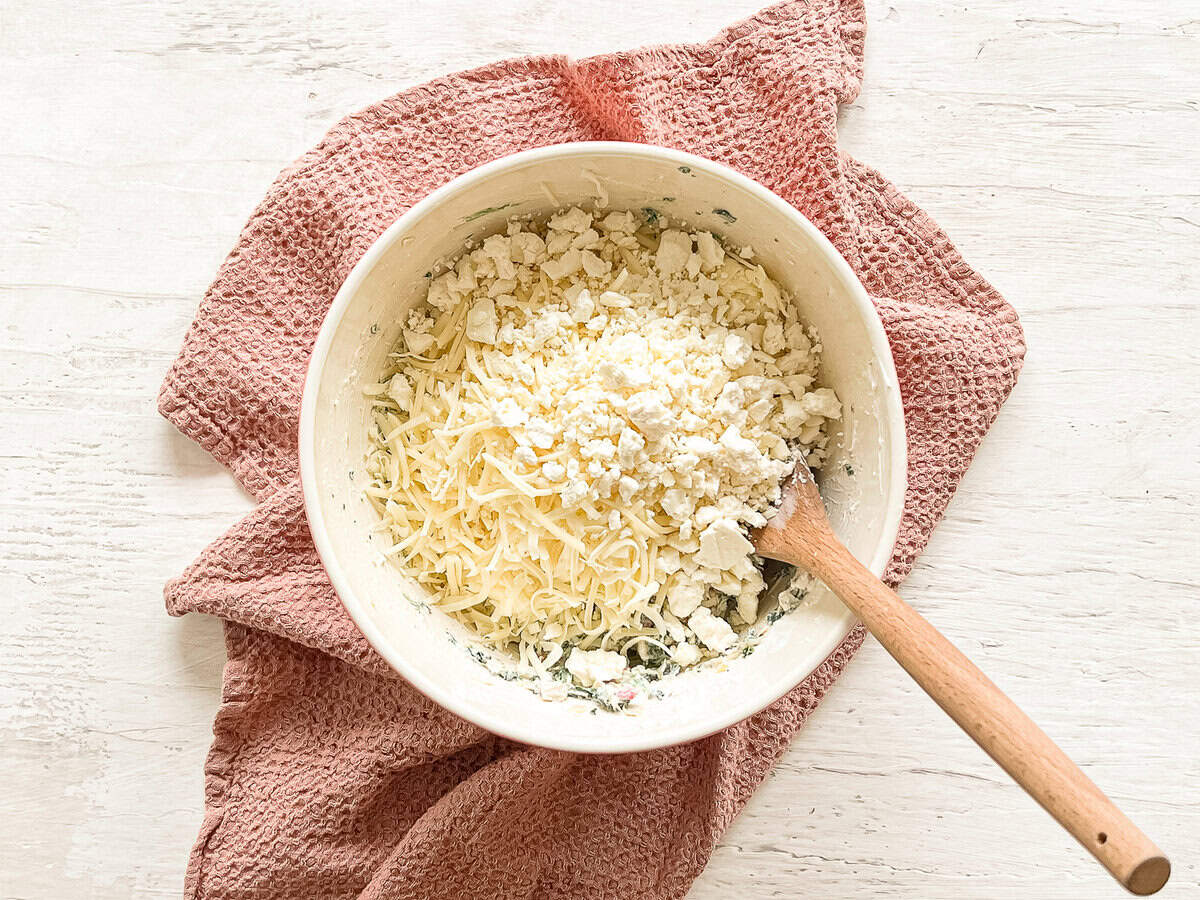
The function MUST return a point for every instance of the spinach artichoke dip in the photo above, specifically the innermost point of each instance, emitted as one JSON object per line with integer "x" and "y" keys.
{"x": 577, "y": 430}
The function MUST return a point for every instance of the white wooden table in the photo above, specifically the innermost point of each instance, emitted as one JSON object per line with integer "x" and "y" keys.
{"x": 1056, "y": 143}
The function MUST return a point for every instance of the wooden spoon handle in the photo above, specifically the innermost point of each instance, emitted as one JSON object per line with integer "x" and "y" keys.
{"x": 995, "y": 723}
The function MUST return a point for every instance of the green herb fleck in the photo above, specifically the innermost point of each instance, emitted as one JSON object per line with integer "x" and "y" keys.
{"x": 651, "y": 215}
{"x": 652, "y": 656}
{"x": 849, "y": 469}
{"x": 665, "y": 668}
{"x": 475, "y": 653}
{"x": 428, "y": 274}
{"x": 421, "y": 607}
{"x": 726, "y": 215}
{"x": 685, "y": 169}
{"x": 483, "y": 212}
{"x": 668, "y": 199}
{"x": 580, "y": 692}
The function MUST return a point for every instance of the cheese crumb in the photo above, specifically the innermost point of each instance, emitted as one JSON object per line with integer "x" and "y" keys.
{"x": 481, "y": 321}
{"x": 686, "y": 655}
{"x": 722, "y": 545}
{"x": 651, "y": 416}
{"x": 595, "y": 666}
{"x": 713, "y": 632}
{"x": 401, "y": 392}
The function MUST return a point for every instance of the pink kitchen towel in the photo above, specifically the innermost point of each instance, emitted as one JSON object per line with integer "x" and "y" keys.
{"x": 329, "y": 776}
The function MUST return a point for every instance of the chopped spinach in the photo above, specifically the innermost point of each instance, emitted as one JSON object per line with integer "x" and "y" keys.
{"x": 483, "y": 212}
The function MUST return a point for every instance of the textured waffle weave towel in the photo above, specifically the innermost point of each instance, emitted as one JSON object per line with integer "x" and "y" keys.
{"x": 329, "y": 776}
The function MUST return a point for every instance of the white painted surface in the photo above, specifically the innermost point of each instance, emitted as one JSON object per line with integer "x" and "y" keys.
{"x": 1057, "y": 144}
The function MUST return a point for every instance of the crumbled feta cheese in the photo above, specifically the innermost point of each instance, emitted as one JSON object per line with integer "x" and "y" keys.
{"x": 629, "y": 446}
{"x": 773, "y": 341}
{"x": 651, "y": 416}
{"x": 674, "y": 248}
{"x": 685, "y": 597}
{"x": 549, "y": 689}
{"x": 508, "y": 413}
{"x": 722, "y": 544}
{"x": 739, "y": 452}
{"x": 711, "y": 254}
{"x": 527, "y": 248}
{"x": 794, "y": 415}
{"x": 481, "y": 321}
{"x": 731, "y": 405}
{"x": 573, "y": 219}
{"x": 583, "y": 307}
{"x": 601, "y": 448}
{"x": 822, "y": 402}
{"x": 596, "y": 666}
{"x": 736, "y": 352}
{"x": 560, "y": 267}
{"x": 614, "y": 300}
{"x": 593, "y": 265}
{"x": 417, "y": 342}
{"x": 620, "y": 221}
{"x": 498, "y": 249}
{"x": 678, "y": 504}
{"x": 627, "y": 487}
{"x": 400, "y": 390}
{"x": 440, "y": 296}
{"x": 540, "y": 432}
{"x": 747, "y": 599}
{"x": 574, "y": 493}
{"x": 713, "y": 632}
{"x": 685, "y": 655}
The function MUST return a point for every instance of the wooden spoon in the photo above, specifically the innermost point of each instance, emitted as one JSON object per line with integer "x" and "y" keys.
{"x": 800, "y": 534}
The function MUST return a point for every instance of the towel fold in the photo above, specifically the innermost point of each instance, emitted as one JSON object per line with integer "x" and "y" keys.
{"x": 331, "y": 777}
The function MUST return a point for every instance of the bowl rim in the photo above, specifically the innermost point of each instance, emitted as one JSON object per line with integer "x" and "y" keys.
{"x": 519, "y": 730}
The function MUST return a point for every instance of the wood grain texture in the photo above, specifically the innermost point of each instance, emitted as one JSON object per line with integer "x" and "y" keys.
{"x": 800, "y": 535}
{"x": 1056, "y": 143}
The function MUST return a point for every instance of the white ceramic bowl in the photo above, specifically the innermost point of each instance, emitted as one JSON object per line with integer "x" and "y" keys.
{"x": 863, "y": 482}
